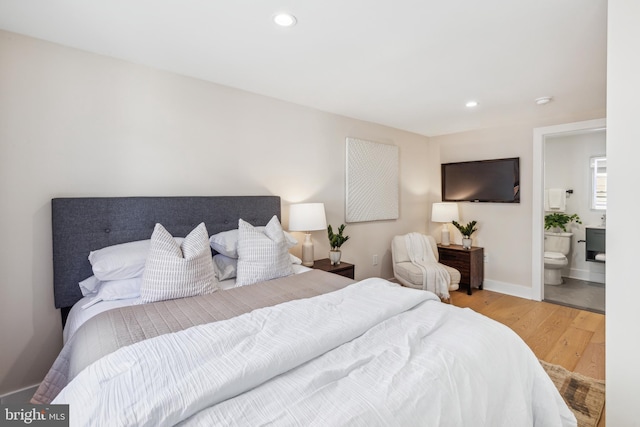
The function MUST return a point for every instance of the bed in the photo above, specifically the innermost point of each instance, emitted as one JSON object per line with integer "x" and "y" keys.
{"x": 306, "y": 348}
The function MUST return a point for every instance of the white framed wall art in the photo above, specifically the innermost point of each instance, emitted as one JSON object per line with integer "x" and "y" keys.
{"x": 372, "y": 181}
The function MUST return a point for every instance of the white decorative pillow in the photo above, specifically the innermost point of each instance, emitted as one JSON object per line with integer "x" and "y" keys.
{"x": 226, "y": 242}
{"x": 178, "y": 271}
{"x": 262, "y": 255}
{"x": 227, "y": 267}
{"x": 122, "y": 261}
{"x": 112, "y": 290}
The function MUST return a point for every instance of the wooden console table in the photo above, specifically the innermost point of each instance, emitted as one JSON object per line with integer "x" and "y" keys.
{"x": 469, "y": 262}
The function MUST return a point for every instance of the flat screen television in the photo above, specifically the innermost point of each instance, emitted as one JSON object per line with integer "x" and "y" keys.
{"x": 495, "y": 181}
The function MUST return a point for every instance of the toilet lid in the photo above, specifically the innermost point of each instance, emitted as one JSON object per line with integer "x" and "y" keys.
{"x": 553, "y": 255}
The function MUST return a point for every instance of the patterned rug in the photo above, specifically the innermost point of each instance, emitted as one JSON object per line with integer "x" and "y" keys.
{"x": 584, "y": 395}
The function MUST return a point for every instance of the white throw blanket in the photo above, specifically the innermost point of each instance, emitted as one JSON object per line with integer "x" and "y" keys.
{"x": 371, "y": 354}
{"x": 435, "y": 277}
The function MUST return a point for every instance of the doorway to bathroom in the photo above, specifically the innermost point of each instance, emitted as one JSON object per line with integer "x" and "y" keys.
{"x": 565, "y": 164}
{"x": 577, "y": 293}
{"x": 575, "y": 164}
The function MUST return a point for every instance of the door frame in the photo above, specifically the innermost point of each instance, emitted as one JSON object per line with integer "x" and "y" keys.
{"x": 537, "y": 239}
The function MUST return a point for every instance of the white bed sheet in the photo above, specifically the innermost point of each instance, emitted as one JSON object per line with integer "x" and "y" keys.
{"x": 78, "y": 316}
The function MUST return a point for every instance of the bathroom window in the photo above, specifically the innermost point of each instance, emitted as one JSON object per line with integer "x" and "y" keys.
{"x": 599, "y": 183}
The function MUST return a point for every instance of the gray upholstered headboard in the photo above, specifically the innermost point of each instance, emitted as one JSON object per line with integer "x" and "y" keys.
{"x": 81, "y": 225}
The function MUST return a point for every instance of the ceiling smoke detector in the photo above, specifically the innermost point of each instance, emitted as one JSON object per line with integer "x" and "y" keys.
{"x": 544, "y": 100}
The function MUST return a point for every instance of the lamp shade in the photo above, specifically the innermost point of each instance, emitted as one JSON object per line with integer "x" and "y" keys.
{"x": 444, "y": 212}
{"x": 307, "y": 217}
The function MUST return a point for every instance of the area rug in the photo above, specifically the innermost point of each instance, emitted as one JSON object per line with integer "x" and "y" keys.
{"x": 584, "y": 395}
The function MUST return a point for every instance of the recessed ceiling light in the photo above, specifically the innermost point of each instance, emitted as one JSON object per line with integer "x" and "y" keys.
{"x": 472, "y": 104}
{"x": 285, "y": 19}
{"x": 544, "y": 100}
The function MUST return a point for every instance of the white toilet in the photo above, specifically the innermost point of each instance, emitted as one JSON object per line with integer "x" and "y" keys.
{"x": 556, "y": 249}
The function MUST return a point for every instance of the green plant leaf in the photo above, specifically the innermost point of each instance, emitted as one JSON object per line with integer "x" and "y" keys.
{"x": 466, "y": 230}
{"x": 336, "y": 240}
{"x": 560, "y": 220}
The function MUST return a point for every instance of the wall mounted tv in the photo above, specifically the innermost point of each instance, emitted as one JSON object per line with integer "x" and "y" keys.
{"x": 496, "y": 181}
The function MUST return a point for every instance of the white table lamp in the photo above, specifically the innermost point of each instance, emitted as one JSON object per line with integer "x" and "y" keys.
{"x": 307, "y": 217}
{"x": 445, "y": 213}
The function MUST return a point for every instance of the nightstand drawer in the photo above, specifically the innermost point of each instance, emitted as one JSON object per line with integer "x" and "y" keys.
{"x": 343, "y": 269}
{"x": 469, "y": 262}
{"x": 459, "y": 261}
{"x": 350, "y": 273}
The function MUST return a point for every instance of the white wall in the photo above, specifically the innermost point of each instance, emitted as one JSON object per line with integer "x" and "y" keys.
{"x": 78, "y": 124}
{"x": 504, "y": 229}
{"x": 30, "y": 330}
{"x": 566, "y": 166}
{"x": 623, "y": 152}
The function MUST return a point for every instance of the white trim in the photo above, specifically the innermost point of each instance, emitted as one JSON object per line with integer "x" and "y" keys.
{"x": 507, "y": 288}
{"x": 21, "y": 396}
{"x": 496, "y": 286}
{"x": 589, "y": 276}
{"x": 537, "y": 218}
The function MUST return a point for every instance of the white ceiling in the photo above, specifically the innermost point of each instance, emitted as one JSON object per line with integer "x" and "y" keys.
{"x": 408, "y": 64}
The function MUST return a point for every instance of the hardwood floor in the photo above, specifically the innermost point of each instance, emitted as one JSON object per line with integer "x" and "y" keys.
{"x": 557, "y": 334}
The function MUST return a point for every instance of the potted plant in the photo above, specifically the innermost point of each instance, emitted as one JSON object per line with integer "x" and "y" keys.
{"x": 335, "y": 241}
{"x": 466, "y": 231}
{"x": 558, "y": 221}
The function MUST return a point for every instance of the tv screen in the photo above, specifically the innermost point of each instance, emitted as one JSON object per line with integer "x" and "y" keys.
{"x": 496, "y": 181}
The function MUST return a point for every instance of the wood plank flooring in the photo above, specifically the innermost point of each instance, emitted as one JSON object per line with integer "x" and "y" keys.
{"x": 557, "y": 334}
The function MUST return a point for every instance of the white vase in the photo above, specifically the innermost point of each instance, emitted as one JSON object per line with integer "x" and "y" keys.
{"x": 334, "y": 257}
{"x": 466, "y": 242}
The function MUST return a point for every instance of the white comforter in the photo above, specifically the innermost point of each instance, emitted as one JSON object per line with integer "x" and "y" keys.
{"x": 372, "y": 354}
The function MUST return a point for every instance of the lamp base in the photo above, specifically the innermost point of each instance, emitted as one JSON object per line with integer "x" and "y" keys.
{"x": 445, "y": 239}
{"x": 307, "y": 251}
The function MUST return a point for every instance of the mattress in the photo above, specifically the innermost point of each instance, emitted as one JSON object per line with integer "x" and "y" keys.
{"x": 113, "y": 329}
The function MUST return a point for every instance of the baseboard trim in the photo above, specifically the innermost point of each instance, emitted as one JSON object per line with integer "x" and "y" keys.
{"x": 589, "y": 276}
{"x": 23, "y": 395}
{"x": 500, "y": 287}
{"x": 508, "y": 289}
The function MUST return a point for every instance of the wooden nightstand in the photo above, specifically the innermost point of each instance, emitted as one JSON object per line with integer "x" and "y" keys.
{"x": 343, "y": 269}
{"x": 469, "y": 262}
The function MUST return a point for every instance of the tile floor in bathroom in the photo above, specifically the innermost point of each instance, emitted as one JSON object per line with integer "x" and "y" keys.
{"x": 577, "y": 293}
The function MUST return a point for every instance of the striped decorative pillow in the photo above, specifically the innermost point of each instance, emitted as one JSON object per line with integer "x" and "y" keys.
{"x": 262, "y": 255}
{"x": 177, "y": 271}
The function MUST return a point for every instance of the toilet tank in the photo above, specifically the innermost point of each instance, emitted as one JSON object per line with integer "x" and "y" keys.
{"x": 557, "y": 242}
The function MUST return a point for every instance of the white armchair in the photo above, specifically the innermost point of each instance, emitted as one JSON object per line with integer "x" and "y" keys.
{"x": 410, "y": 275}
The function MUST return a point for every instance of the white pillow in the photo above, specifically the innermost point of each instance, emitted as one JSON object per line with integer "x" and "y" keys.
{"x": 112, "y": 290}
{"x": 227, "y": 267}
{"x": 262, "y": 255}
{"x": 226, "y": 242}
{"x": 176, "y": 271}
{"x": 122, "y": 261}
{"x": 89, "y": 285}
